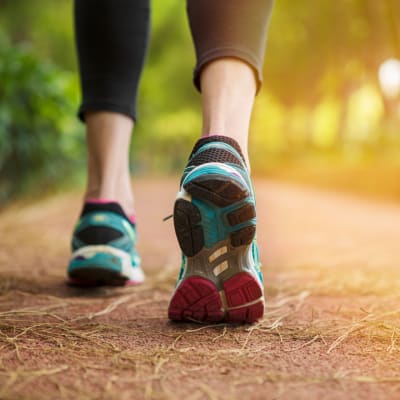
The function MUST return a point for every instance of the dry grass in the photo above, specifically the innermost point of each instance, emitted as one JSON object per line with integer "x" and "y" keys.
{"x": 325, "y": 331}
{"x": 80, "y": 337}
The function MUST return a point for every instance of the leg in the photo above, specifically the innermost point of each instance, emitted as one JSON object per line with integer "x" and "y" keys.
{"x": 108, "y": 137}
{"x": 214, "y": 214}
{"x": 228, "y": 89}
{"x": 229, "y": 38}
{"x": 111, "y": 41}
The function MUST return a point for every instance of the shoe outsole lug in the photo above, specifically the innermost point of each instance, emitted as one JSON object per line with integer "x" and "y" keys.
{"x": 244, "y": 298}
{"x": 243, "y": 214}
{"x": 240, "y": 289}
{"x": 243, "y": 236}
{"x": 189, "y": 232}
{"x": 218, "y": 191}
{"x": 197, "y": 300}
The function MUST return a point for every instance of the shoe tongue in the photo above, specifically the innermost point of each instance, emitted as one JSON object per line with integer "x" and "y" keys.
{"x": 112, "y": 206}
{"x": 217, "y": 138}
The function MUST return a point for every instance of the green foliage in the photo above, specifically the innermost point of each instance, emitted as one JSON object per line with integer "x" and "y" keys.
{"x": 169, "y": 117}
{"x": 320, "y": 92}
{"x": 328, "y": 46}
{"x": 39, "y": 140}
{"x": 45, "y": 24}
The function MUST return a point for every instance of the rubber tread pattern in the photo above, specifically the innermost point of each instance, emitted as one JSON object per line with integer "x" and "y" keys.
{"x": 220, "y": 192}
{"x": 243, "y": 236}
{"x": 188, "y": 230}
{"x": 198, "y": 300}
{"x": 241, "y": 289}
{"x": 243, "y": 214}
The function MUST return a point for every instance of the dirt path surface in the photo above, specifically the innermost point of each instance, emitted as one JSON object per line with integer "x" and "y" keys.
{"x": 331, "y": 328}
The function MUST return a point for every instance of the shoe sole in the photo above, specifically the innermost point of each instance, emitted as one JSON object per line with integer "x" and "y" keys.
{"x": 102, "y": 265}
{"x": 219, "y": 283}
{"x": 92, "y": 276}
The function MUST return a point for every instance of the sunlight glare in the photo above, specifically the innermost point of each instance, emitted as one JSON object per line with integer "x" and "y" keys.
{"x": 389, "y": 77}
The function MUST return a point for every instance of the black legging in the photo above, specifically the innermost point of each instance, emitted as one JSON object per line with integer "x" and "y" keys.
{"x": 112, "y": 38}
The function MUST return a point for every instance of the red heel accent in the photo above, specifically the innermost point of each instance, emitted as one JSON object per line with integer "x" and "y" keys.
{"x": 240, "y": 290}
{"x": 196, "y": 299}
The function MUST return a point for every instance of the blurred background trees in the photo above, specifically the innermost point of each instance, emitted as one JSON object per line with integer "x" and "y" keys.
{"x": 321, "y": 107}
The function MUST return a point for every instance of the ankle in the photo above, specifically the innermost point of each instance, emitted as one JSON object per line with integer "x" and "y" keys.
{"x": 124, "y": 198}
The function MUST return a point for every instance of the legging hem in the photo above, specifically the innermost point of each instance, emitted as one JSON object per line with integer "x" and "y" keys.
{"x": 106, "y": 106}
{"x": 228, "y": 52}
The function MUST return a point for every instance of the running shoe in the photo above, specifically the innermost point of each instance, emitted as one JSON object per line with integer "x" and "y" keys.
{"x": 220, "y": 279}
{"x": 103, "y": 248}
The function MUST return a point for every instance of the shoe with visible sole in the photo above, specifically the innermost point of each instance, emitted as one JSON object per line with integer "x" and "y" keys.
{"x": 215, "y": 223}
{"x": 103, "y": 248}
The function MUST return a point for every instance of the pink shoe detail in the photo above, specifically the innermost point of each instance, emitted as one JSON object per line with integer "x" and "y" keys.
{"x": 132, "y": 218}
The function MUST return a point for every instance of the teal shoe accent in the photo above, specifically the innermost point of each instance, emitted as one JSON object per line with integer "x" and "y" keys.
{"x": 220, "y": 278}
{"x": 103, "y": 248}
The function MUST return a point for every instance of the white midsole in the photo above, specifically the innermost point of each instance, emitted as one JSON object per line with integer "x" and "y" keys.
{"x": 132, "y": 273}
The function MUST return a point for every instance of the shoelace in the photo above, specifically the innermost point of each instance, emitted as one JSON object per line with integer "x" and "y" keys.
{"x": 168, "y": 217}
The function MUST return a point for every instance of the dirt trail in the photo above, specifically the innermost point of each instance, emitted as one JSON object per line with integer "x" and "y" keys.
{"x": 331, "y": 329}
